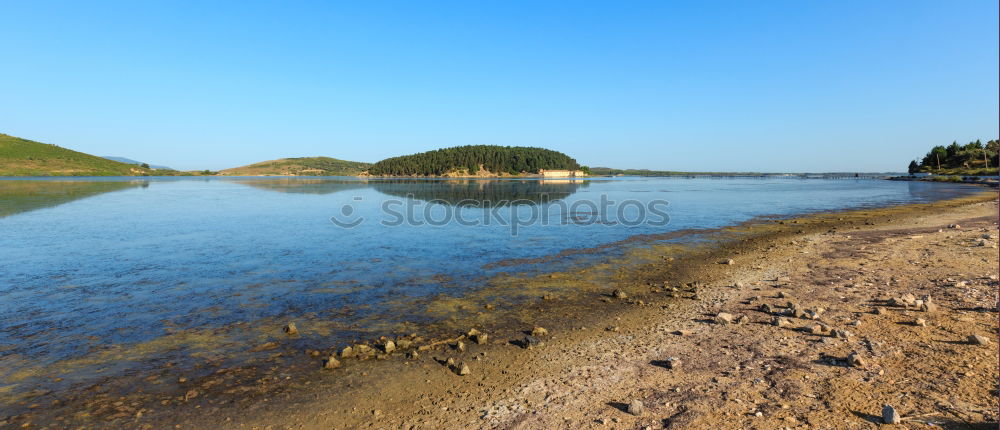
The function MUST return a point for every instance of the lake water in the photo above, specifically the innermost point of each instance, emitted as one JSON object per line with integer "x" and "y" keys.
{"x": 97, "y": 270}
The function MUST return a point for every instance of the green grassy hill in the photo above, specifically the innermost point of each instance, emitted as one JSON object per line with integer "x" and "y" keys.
{"x": 22, "y": 157}
{"x": 304, "y": 166}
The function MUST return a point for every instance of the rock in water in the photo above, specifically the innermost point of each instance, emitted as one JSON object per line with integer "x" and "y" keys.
{"x": 539, "y": 332}
{"x": 636, "y": 408}
{"x": 619, "y": 294}
{"x": 978, "y": 340}
{"x": 724, "y": 318}
{"x": 389, "y": 346}
{"x": 890, "y": 416}
{"x": 290, "y": 329}
{"x": 331, "y": 363}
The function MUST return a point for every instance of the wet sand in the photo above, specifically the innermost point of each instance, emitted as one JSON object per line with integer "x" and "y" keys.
{"x": 602, "y": 353}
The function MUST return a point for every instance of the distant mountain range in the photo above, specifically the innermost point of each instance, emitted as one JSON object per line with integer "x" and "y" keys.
{"x": 131, "y": 161}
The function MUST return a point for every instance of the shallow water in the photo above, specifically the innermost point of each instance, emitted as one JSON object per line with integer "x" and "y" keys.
{"x": 98, "y": 270}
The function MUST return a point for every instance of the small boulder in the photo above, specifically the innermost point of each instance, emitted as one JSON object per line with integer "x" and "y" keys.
{"x": 531, "y": 341}
{"x": 783, "y": 295}
{"x": 619, "y": 294}
{"x": 929, "y": 307}
{"x": 413, "y": 355}
{"x": 636, "y": 408}
{"x": 920, "y": 322}
{"x": 765, "y": 308}
{"x": 742, "y": 319}
{"x": 841, "y": 334}
{"x": 389, "y": 346}
{"x": 539, "y": 331}
{"x": 290, "y": 329}
{"x": 890, "y": 416}
{"x": 460, "y": 346}
{"x": 728, "y": 261}
{"x": 723, "y": 318}
{"x": 976, "y": 339}
{"x": 462, "y": 369}
{"x": 880, "y": 311}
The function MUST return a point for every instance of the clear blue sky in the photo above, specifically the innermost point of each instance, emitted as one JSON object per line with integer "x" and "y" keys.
{"x": 752, "y": 85}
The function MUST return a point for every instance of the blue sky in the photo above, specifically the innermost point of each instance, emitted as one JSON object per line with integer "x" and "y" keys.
{"x": 761, "y": 86}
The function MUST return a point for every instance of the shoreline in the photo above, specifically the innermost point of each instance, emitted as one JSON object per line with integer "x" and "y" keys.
{"x": 396, "y": 375}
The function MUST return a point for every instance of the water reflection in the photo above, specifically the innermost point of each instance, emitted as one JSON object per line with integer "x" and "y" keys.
{"x": 17, "y": 196}
{"x": 482, "y": 192}
{"x": 305, "y": 186}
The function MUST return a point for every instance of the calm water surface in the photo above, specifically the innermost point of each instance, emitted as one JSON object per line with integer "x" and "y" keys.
{"x": 90, "y": 264}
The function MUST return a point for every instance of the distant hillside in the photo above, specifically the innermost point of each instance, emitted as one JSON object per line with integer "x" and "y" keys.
{"x": 305, "y": 166}
{"x": 131, "y": 161}
{"x": 22, "y": 157}
{"x": 495, "y": 160}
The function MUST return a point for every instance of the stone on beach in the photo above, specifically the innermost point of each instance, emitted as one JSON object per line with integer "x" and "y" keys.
{"x": 976, "y": 339}
{"x": 890, "y": 416}
{"x": 462, "y": 369}
{"x": 723, "y": 318}
{"x": 290, "y": 329}
{"x": 478, "y": 337}
{"x": 539, "y": 331}
{"x": 742, "y": 319}
{"x": 673, "y": 363}
{"x": 389, "y": 346}
{"x": 331, "y": 363}
{"x": 619, "y": 294}
{"x": 920, "y": 322}
{"x": 854, "y": 360}
{"x": 636, "y": 408}
{"x": 728, "y": 261}
{"x": 929, "y": 307}
{"x": 781, "y": 322}
{"x": 347, "y": 352}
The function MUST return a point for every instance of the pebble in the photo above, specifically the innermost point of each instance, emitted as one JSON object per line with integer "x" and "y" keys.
{"x": 477, "y": 336}
{"x": 331, "y": 363}
{"x": 619, "y": 294}
{"x": 880, "y": 311}
{"x": 929, "y": 307}
{"x": 290, "y": 329}
{"x": 347, "y": 352}
{"x": 729, "y": 262}
{"x": 462, "y": 369}
{"x": 890, "y": 416}
{"x": 636, "y": 408}
{"x": 723, "y": 318}
{"x": 389, "y": 346}
{"x": 976, "y": 339}
{"x": 460, "y": 346}
{"x": 855, "y": 360}
{"x": 781, "y": 322}
{"x": 673, "y": 363}
{"x": 539, "y": 332}
{"x": 920, "y": 322}
{"x": 742, "y": 319}
{"x": 413, "y": 355}
{"x": 783, "y": 295}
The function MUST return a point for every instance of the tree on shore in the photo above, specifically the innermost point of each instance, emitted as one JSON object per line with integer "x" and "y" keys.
{"x": 973, "y": 155}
